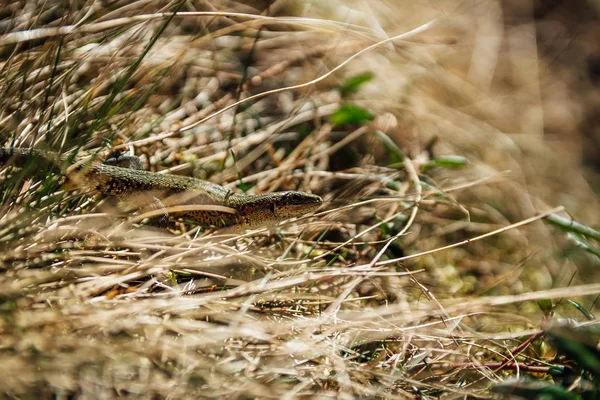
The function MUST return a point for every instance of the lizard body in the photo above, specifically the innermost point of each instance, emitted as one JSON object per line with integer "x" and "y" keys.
{"x": 137, "y": 186}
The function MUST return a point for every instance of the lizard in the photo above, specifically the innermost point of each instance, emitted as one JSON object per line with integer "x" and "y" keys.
{"x": 204, "y": 202}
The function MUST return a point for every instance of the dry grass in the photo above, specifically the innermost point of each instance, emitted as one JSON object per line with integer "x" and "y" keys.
{"x": 362, "y": 299}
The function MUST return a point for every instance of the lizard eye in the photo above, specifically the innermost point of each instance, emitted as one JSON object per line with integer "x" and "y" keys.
{"x": 272, "y": 207}
{"x": 294, "y": 198}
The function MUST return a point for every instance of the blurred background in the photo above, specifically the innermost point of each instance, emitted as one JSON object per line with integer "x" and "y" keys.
{"x": 483, "y": 114}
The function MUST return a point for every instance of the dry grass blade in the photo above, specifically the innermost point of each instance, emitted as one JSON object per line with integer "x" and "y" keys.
{"x": 427, "y": 273}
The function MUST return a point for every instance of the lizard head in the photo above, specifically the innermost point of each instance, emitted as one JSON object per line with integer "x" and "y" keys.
{"x": 272, "y": 208}
{"x": 294, "y": 204}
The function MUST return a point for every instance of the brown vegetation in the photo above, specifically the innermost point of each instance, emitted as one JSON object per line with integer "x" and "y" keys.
{"x": 429, "y": 273}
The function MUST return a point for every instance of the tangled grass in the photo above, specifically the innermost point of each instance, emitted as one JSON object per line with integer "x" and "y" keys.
{"x": 427, "y": 274}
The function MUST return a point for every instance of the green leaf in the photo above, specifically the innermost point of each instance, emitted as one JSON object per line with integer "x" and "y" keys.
{"x": 447, "y": 161}
{"x": 583, "y": 310}
{"x": 350, "y": 114}
{"x": 545, "y": 305}
{"x": 584, "y": 244}
{"x": 352, "y": 84}
{"x": 568, "y": 225}
{"x": 556, "y": 370}
{"x": 396, "y": 155}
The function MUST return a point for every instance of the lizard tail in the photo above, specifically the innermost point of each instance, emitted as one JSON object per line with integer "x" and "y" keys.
{"x": 21, "y": 157}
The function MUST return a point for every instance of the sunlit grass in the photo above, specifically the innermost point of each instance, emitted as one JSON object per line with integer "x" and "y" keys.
{"x": 428, "y": 272}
